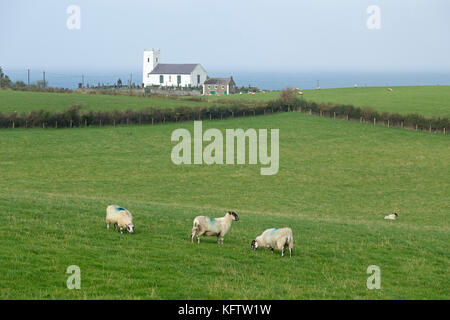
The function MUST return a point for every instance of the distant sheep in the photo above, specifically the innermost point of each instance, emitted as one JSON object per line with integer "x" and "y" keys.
{"x": 389, "y": 89}
{"x": 119, "y": 217}
{"x": 274, "y": 238}
{"x": 300, "y": 93}
{"x": 213, "y": 227}
{"x": 391, "y": 216}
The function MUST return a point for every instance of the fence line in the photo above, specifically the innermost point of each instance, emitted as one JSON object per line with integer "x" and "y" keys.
{"x": 74, "y": 118}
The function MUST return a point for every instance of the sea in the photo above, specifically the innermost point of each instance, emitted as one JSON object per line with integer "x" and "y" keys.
{"x": 262, "y": 80}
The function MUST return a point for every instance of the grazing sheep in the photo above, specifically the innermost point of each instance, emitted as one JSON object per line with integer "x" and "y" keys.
{"x": 389, "y": 89}
{"x": 119, "y": 217}
{"x": 300, "y": 93}
{"x": 275, "y": 238}
{"x": 213, "y": 227}
{"x": 318, "y": 88}
{"x": 391, "y": 216}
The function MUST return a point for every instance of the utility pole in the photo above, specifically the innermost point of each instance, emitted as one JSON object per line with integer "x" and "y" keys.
{"x": 43, "y": 72}
{"x": 131, "y": 78}
{"x": 28, "y": 77}
{"x": 82, "y": 80}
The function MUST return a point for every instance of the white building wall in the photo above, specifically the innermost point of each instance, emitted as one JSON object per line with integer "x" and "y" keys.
{"x": 150, "y": 60}
{"x": 169, "y": 80}
{"x": 198, "y": 71}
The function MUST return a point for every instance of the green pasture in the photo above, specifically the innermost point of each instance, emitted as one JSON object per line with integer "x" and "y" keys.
{"x": 336, "y": 182}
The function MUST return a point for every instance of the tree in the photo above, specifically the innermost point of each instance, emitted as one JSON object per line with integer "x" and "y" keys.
{"x": 119, "y": 83}
{"x": 4, "y": 79}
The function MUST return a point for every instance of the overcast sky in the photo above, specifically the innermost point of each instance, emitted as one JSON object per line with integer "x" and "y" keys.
{"x": 250, "y": 35}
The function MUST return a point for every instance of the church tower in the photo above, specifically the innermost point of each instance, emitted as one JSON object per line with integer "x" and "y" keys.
{"x": 151, "y": 59}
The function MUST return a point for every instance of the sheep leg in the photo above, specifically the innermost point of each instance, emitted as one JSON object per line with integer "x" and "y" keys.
{"x": 107, "y": 225}
{"x": 282, "y": 253}
{"x": 271, "y": 249}
{"x": 199, "y": 234}
{"x": 290, "y": 252}
{"x": 195, "y": 230}
{"x": 121, "y": 230}
{"x": 115, "y": 226}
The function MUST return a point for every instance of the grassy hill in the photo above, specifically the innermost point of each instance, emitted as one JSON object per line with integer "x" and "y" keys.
{"x": 26, "y": 101}
{"x": 430, "y": 101}
{"x": 337, "y": 180}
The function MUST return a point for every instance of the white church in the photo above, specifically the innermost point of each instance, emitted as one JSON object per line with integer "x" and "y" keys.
{"x": 155, "y": 73}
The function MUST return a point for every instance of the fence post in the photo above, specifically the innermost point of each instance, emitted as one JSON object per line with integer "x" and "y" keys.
{"x": 444, "y": 130}
{"x": 334, "y": 114}
{"x": 310, "y": 111}
{"x": 56, "y": 124}
{"x": 152, "y": 120}
{"x": 43, "y": 125}
{"x": 402, "y": 124}
{"x": 374, "y": 121}
{"x": 114, "y": 122}
{"x": 416, "y": 127}
{"x": 14, "y": 124}
{"x": 100, "y": 122}
{"x": 388, "y": 123}
{"x": 347, "y": 117}
{"x": 26, "y": 123}
{"x": 430, "y": 127}
{"x": 85, "y": 122}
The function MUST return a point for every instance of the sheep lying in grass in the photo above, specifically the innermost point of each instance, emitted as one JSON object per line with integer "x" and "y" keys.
{"x": 213, "y": 227}
{"x": 274, "y": 238}
{"x": 119, "y": 217}
{"x": 392, "y": 216}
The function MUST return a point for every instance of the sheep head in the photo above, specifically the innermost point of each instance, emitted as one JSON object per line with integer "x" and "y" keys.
{"x": 130, "y": 228}
{"x": 234, "y": 215}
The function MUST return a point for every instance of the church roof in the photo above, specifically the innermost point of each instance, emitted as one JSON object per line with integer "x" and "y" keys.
{"x": 166, "y": 68}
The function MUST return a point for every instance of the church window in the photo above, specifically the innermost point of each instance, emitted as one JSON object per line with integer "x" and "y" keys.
{"x": 161, "y": 79}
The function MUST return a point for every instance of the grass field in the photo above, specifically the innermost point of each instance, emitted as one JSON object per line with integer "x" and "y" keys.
{"x": 24, "y": 101}
{"x": 430, "y": 101}
{"x": 337, "y": 180}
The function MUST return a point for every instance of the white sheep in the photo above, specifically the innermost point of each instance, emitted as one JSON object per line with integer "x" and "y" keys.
{"x": 213, "y": 226}
{"x": 275, "y": 238}
{"x": 389, "y": 89}
{"x": 119, "y": 217}
{"x": 392, "y": 216}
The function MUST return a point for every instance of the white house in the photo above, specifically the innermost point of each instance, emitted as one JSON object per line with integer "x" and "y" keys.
{"x": 155, "y": 73}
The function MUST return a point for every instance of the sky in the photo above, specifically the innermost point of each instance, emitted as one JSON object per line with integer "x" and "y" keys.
{"x": 250, "y": 35}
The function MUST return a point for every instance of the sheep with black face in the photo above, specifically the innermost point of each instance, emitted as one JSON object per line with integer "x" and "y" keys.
{"x": 119, "y": 217}
{"x": 274, "y": 238}
{"x": 213, "y": 226}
